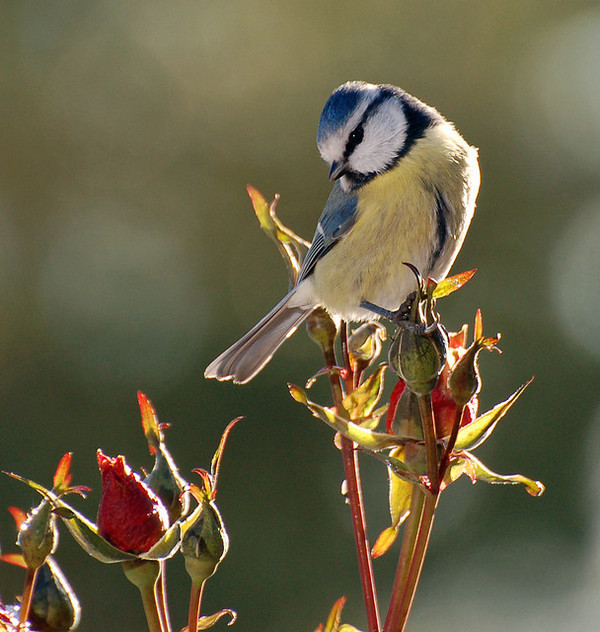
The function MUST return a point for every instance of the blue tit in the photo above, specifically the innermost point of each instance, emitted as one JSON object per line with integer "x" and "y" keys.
{"x": 405, "y": 183}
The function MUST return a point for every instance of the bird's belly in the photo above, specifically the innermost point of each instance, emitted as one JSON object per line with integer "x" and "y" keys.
{"x": 368, "y": 263}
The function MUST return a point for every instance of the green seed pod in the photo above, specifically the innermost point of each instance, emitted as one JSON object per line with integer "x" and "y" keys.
{"x": 38, "y": 537}
{"x": 321, "y": 328}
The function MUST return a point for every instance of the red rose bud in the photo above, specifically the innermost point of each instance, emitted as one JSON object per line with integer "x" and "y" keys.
{"x": 130, "y": 516}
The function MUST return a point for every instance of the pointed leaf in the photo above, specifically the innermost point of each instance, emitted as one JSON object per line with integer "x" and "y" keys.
{"x": 292, "y": 247}
{"x": 400, "y": 492}
{"x": 215, "y": 464}
{"x": 478, "y": 327}
{"x": 150, "y": 424}
{"x": 366, "y": 438}
{"x": 62, "y": 478}
{"x": 16, "y": 559}
{"x": 474, "y": 434}
{"x": 383, "y": 543}
{"x": 361, "y": 401}
{"x": 453, "y": 283}
{"x": 477, "y": 471}
{"x": 335, "y": 615}
{"x": 19, "y": 516}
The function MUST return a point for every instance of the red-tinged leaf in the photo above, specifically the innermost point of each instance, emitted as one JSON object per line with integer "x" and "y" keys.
{"x": 19, "y": 516}
{"x": 334, "y": 618}
{"x": 383, "y": 543}
{"x": 16, "y": 559}
{"x": 478, "y": 327}
{"x": 150, "y": 423}
{"x": 477, "y": 471}
{"x": 62, "y": 477}
{"x": 394, "y": 399}
{"x": 215, "y": 464}
{"x": 474, "y": 434}
{"x": 453, "y": 283}
{"x": 320, "y": 628}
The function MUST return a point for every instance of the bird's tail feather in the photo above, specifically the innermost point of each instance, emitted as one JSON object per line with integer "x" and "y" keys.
{"x": 244, "y": 359}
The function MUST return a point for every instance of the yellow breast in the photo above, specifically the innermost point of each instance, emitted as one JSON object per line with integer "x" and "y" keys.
{"x": 397, "y": 222}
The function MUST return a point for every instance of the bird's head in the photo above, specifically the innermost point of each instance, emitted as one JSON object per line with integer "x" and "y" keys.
{"x": 365, "y": 129}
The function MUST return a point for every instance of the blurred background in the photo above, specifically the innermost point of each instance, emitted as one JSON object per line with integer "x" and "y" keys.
{"x": 130, "y": 256}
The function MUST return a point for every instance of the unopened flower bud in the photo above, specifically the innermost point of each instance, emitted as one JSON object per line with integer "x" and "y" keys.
{"x": 54, "y": 605}
{"x": 364, "y": 345}
{"x": 321, "y": 328}
{"x": 166, "y": 482}
{"x": 38, "y": 537}
{"x": 205, "y": 542}
{"x": 465, "y": 380}
{"x": 419, "y": 357}
{"x": 130, "y": 515}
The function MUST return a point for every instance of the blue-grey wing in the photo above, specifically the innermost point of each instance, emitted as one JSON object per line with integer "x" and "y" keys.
{"x": 336, "y": 220}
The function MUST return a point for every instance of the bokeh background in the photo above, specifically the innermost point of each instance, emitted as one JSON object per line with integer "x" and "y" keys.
{"x": 129, "y": 257}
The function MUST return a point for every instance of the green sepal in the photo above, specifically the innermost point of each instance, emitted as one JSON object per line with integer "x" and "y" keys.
{"x": 477, "y": 471}
{"x": 474, "y": 434}
{"x": 399, "y": 468}
{"x": 361, "y": 401}
{"x": 367, "y": 439}
{"x": 292, "y": 247}
{"x": 208, "y": 621}
{"x": 400, "y": 492}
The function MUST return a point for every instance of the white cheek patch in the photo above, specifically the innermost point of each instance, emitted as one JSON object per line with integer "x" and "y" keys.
{"x": 333, "y": 147}
{"x": 384, "y": 137}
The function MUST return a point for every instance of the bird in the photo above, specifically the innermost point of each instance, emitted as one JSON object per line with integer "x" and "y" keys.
{"x": 405, "y": 184}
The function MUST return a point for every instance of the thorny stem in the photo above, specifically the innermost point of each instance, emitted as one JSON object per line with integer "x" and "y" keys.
{"x": 27, "y": 595}
{"x": 426, "y": 410}
{"x": 161, "y": 592}
{"x": 354, "y": 489}
{"x": 195, "y": 601}
{"x": 400, "y": 608}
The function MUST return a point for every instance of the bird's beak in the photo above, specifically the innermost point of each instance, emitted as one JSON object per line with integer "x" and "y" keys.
{"x": 338, "y": 169}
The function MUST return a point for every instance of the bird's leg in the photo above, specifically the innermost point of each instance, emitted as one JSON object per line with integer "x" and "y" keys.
{"x": 399, "y": 317}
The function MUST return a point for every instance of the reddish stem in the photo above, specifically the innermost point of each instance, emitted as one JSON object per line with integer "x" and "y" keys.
{"x": 354, "y": 493}
{"x": 27, "y": 595}
{"x": 195, "y": 601}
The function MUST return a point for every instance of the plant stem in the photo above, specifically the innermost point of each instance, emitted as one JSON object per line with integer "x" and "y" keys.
{"x": 426, "y": 410}
{"x": 27, "y": 595}
{"x": 355, "y": 498}
{"x": 407, "y": 579}
{"x": 195, "y": 601}
{"x": 148, "y": 595}
{"x": 161, "y": 591}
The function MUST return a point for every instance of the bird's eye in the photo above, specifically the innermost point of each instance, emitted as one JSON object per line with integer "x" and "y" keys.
{"x": 356, "y": 136}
